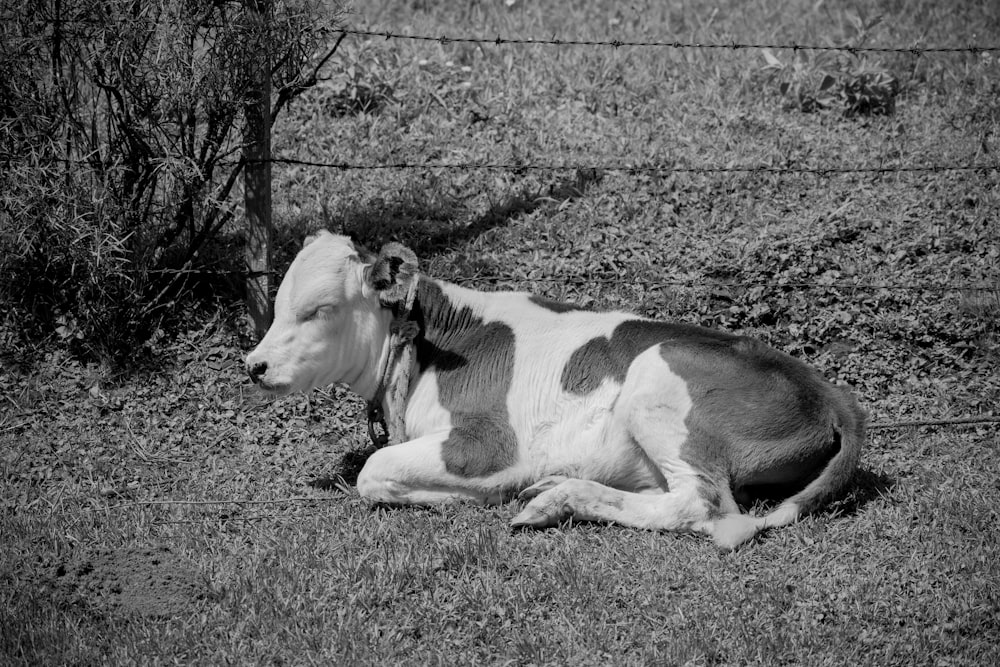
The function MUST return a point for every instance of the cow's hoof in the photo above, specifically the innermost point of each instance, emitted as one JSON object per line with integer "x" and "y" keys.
{"x": 541, "y": 486}
{"x": 533, "y": 517}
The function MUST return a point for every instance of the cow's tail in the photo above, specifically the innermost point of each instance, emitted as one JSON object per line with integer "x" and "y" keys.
{"x": 848, "y": 421}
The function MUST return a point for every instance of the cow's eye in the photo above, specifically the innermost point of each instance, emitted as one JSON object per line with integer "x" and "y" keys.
{"x": 315, "y": 313}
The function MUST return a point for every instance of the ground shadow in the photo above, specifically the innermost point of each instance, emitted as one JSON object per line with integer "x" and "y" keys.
{"x": 434, "y": 226}
{"x": 865, "y": 487}
{"x": 429, "y": 224}
{"x": 345, "y": 471}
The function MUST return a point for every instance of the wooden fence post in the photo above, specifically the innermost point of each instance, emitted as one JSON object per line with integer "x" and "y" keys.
{"x": 257, "y": 183}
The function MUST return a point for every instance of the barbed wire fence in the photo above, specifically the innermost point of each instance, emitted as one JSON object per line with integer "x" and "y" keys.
{"x": 819, "y": 171}
{"x": 662, "y": 168}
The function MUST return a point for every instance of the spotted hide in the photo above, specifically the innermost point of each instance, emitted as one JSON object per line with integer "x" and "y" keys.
{"x": 598, "y": 416}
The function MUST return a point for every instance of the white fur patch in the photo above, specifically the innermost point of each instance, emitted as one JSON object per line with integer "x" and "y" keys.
{"x": 325, "y": 329}
{"x": 424, "y": 412}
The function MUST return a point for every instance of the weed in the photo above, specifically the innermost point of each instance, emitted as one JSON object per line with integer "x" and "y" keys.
{"x": 364, "y": 82}
{"x": 854, "y": 84}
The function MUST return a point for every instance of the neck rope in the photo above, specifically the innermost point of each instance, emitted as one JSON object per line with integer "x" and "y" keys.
{"x": 394, "y": 376}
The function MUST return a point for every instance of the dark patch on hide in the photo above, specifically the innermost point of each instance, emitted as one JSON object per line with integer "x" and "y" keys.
{"x": 601, "y": 357}
{"x": 761, "y": 415}
{"x": 758, "y": 417}
{"x": 555, "y": 306}
{"x": 474, "y": 364}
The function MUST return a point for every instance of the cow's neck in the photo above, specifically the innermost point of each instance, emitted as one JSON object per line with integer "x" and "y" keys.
{"x": 443, "y": 313}
{"x": 422, "y": 331}
{"x": 365, "y": 378}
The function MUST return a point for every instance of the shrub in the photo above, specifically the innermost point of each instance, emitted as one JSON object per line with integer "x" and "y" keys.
{"x": 836, "y": 80}
{"x": 364, "y": 85}
{"x": 119, "y": 129}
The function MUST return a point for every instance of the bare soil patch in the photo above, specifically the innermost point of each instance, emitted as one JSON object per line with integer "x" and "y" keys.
{"x": 151, "y": 581}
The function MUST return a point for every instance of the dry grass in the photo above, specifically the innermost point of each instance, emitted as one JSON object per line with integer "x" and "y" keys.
{"x": 901, "y": 572}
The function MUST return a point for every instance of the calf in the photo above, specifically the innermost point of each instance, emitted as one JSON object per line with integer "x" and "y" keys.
{"x": 598, "y": 416}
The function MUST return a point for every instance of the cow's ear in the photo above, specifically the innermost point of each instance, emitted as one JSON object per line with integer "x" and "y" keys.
{"x": 391, "y": 272}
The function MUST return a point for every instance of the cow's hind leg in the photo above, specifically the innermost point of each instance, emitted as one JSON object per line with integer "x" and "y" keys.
{"x": 659, "y": 415}
{"x": 586, "y": 500}
{"x": 653, "y": 412}
{"x": 700, "y": 488}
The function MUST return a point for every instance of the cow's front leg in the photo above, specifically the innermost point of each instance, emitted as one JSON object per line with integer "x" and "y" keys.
{"x": 414, "y": 473}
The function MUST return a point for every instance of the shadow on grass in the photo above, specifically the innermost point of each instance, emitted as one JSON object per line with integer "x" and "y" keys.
{"x": 865, "y": 487}
{"x": 345, "y": 472}
{"x": 428, "y": 222}
{"x": 432, "y": 225}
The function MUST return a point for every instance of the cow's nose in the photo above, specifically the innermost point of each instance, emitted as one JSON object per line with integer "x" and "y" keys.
{"x": 256, "y": 370}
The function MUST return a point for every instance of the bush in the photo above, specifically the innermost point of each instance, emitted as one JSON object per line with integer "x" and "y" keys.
{"x": 119, "y": 129}
{"x": 837, "y": 80}
{"x": 66, "y": 255}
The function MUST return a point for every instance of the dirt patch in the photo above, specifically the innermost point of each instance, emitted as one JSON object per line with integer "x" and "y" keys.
{"x": 147, "y": 581}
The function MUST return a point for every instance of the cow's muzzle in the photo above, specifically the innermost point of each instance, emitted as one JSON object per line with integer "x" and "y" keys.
{"x": 256, "y": 370}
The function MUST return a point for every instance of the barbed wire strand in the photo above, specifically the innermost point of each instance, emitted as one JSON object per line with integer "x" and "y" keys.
{"x": 584, "y": 279}
{"x": 635, "y": 168}
{"x": 827, "y": 170}
{"x": 500, "y": 40}
{"x": 672, "y": 44}
{"x": 709, "y": 283}
{"x": 953, "y": 421}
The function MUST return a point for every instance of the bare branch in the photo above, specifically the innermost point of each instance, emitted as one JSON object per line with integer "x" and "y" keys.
{"x": 289, "y": 92}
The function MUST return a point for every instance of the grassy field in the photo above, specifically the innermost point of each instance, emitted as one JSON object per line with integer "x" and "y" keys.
{"x": 889, "y": 282}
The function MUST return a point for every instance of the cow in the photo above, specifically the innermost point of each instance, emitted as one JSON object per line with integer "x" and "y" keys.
{"x": 583, "y": 415}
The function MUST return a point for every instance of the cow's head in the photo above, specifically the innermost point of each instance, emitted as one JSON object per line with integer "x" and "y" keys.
{"x": 332, "y": 317}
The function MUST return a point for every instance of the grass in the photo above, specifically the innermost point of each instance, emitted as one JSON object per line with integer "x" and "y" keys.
{"x": 903, "y": 571}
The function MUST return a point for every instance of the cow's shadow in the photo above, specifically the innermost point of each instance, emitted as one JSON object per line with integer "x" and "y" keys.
{"x": 866, "y": 485}
{"x": 345, "y": 471}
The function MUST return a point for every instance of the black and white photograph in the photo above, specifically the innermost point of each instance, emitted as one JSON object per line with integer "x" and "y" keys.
{"x": 500, "y": 332}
